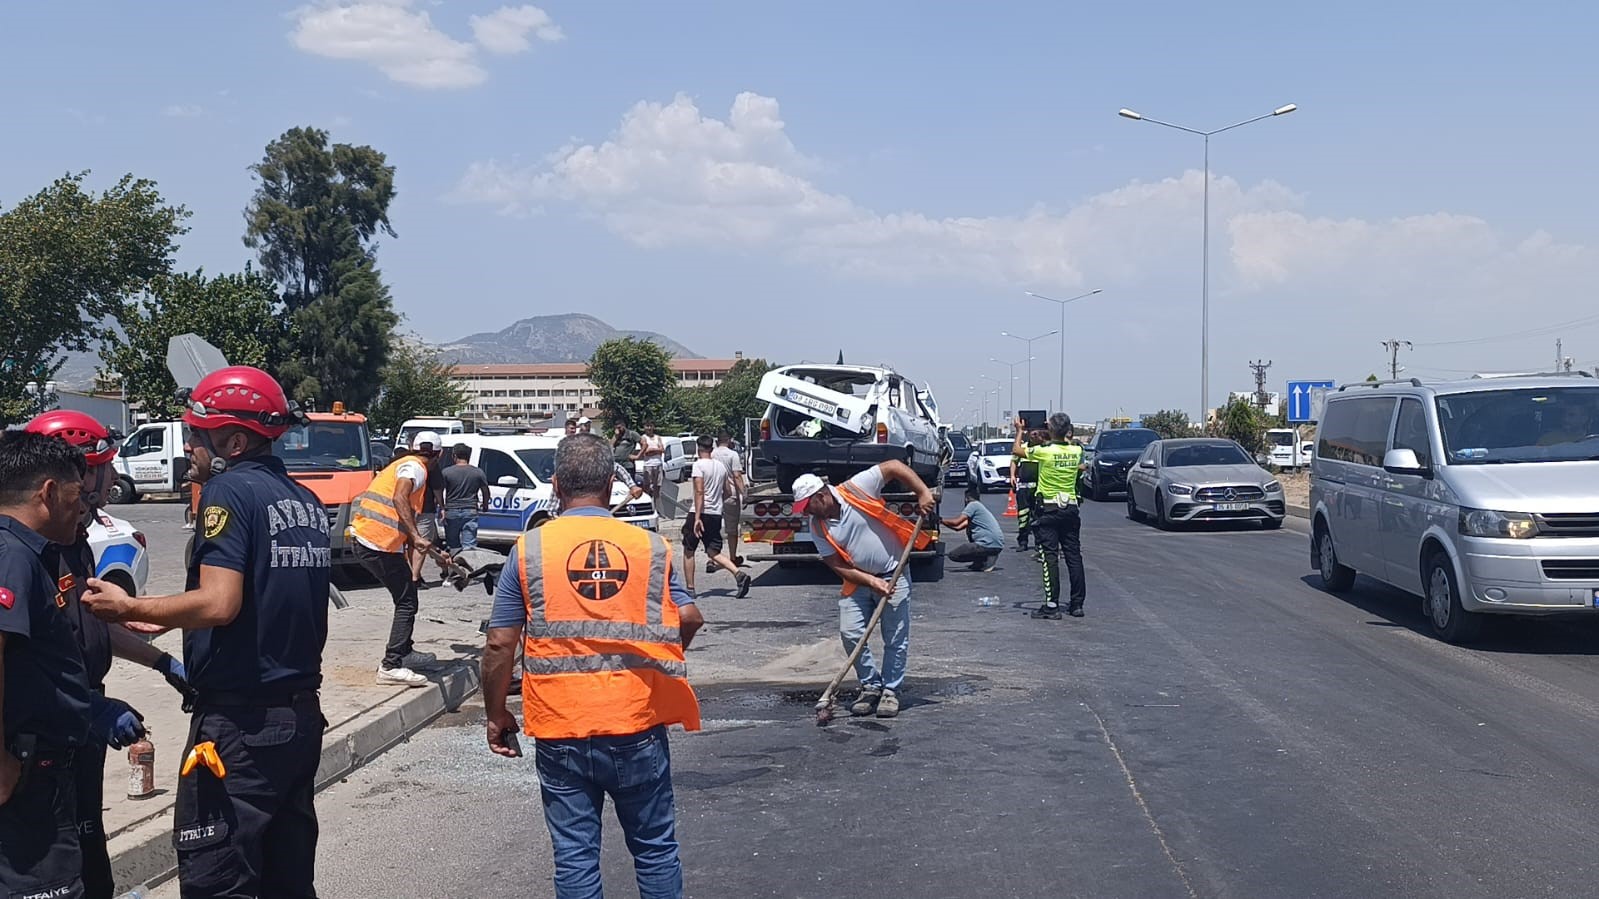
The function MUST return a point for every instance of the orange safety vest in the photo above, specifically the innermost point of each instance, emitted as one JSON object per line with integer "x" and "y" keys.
{"x": 874, "y": 508}
{"x": 374, "y": 517}
{"x": 603, "y": 655}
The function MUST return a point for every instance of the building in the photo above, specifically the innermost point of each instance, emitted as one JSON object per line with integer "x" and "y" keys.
{"x": 521, "y": 393}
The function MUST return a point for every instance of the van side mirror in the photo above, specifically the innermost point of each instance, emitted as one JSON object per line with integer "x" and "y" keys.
{"x": 1404, "y": 461}
{"x": 509, "y": 480}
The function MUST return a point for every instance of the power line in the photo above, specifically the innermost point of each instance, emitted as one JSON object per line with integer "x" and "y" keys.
{"x": 1540, "y": 331}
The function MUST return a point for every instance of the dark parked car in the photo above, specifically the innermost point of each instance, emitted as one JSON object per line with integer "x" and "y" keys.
{"x": 382, "y": 454}
{"x": 956, "y": 473}
{"x": 1108, "y": 456}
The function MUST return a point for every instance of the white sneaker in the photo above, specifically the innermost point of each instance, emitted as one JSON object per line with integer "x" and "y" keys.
{"x": 402, "y": 677}
{"x": 419, "y": 660}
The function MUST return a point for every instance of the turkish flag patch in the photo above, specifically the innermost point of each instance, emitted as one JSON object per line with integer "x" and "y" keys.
{"x": 7, "y": 598}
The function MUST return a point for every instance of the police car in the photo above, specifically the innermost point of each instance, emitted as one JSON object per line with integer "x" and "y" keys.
{"x": 519, "y": 470}
{"x": 119, "y": 553}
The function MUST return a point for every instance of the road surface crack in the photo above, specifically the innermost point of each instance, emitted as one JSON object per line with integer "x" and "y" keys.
{"x": 1143, "y": 807}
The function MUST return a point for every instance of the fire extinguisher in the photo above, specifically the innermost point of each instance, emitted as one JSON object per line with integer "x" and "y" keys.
{"x": 141, "y": 768}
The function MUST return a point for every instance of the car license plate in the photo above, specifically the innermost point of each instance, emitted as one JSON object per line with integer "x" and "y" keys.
{"x": 1231, "y": 507}
{"x": 811, "y": 402}
{"x": 644, "y": 523}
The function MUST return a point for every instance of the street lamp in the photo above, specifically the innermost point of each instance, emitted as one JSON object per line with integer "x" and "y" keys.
{"x": 998, "y": 386}
{"x": 1013, "y": 378}
{"x": 1204, "y": 313}
{"x": 1029, "y": 342}
{"x": 1060, "y": 402}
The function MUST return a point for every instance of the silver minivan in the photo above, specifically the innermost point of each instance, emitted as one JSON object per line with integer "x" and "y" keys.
{"x": 1481, "y": 496}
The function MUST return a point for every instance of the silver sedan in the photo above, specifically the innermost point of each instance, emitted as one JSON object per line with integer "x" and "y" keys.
{"x": 1202, "y": 479}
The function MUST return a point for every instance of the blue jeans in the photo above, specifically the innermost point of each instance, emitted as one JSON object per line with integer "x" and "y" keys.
{"x": 575, "y": 776}
{"x": 460, "y": 529}
{"x": 895, "y": 625}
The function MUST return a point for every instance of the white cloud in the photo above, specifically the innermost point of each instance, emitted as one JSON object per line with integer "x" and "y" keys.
{"x": 404, "y": 44}
{"x": 183, "y": 111}
{"x": 506, "y": 29}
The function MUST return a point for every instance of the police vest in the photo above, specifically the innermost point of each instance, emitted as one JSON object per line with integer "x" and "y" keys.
{"x": 877, "y": 510}
{"x": 603, "y": 655}
{"x": 374, "y": 517}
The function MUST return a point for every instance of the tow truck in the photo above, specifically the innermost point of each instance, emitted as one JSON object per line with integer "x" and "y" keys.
{"x": 330, "y": 455}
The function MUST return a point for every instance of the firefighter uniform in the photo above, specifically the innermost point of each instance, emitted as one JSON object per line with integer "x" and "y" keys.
{"x": 46, "y": 719}
{"x": 94, "y": 641}
{"x": 247, "y": 827}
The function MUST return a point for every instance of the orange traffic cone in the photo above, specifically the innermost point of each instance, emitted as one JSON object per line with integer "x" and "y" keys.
{"x": 1010, "y": 506}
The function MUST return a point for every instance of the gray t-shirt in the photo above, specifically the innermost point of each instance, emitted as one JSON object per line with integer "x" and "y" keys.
{"x": 873, "y": 548}
{"x": 714, "y": 476}
{"x": 463, "y": 487}
{"x": 984, "y": 527}
{"x": 731, "y": 461}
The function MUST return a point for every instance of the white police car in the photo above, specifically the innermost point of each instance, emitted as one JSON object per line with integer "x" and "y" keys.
{"x": 119, "y": 553}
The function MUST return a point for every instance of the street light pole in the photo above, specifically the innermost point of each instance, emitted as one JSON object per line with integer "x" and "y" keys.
{"x": 1013, "y": 378}
{"x": 1060, "y": 398}
{"x": 1029, "y": 342}
{"x": 1204, "y": 295}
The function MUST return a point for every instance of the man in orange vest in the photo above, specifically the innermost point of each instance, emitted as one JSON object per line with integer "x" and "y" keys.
{"x": 606, "y": 622}
{"x": 385, "y": 519}
{"x": 861, "y": 540}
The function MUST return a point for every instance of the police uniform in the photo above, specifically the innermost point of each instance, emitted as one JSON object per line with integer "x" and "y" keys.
{"x": 1058, "y": 524}
{"x": 253, "y": 831}
{"x": 1026, "y": 481}
{"x": 46, "y": 720}
{"x": 94, "y": 642}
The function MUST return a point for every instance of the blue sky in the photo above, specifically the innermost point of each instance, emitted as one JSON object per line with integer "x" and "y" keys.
{"x": 888, "y": 178}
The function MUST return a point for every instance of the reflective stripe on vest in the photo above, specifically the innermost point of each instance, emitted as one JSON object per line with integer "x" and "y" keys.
{"x": 603, "y": 652}
{"x": 373, "y": 515}
{"x": 874, "y": 508}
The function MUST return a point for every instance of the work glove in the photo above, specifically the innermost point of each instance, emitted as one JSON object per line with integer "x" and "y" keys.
{"x": 172, "y": 670}
{"x": 114, "y": 722}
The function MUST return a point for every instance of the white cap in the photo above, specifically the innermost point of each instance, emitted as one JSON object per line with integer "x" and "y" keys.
{"x": 429, "y": 437}
{"x": 805, "y": 487}
{"x": 584, "y": 420}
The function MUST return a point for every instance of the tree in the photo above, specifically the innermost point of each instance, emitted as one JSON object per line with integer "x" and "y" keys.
{"x": 69, "y": 261}
{"x": 417, "y": 383}
{"x": 634, "y": 378}
{"x": 314, "y": 219}
{"x": 338, "y": 343}
{"x": 733, "y": 400}
{"x": 1242, "y": 422}
{"x": 234, "y": 313}
{"x": 1169, "y": 424}
{"x": 1372, "y": 378}
{"x": 692, "y": 410}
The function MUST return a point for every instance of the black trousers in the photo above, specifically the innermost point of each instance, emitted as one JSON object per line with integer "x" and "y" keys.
{"x": 1059, "y": 532}
{"x": 1024, "y": 514}
{"x": 252, "y": 833}
{"x": 39, "y": 850}
{"x": 980, "y": 557}
{"x": 394, "y": 572}
{"x": 89, "y": 768}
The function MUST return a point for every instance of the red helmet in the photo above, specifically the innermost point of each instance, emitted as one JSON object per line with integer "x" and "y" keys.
{"x": 240, "y": 395}
{"x": 98, "y": 442}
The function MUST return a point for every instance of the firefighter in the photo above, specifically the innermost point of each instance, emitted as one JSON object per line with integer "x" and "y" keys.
{"x": 116, "y": 724}
{"x": 255, "y": 620}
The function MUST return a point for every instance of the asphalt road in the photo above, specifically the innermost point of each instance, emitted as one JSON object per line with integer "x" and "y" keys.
{"x": 1216, "y": 726}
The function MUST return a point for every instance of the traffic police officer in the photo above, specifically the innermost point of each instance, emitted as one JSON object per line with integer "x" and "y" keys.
{"x": 1058, "y": 525}
{"x": 255, "y": 619}
{"x": 45, "y": 715}
{"x": 114, "y": 722}
{"x": 1025, "y": 478}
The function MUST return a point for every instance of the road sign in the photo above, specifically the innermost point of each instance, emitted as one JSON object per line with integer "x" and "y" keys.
{"x": 1300, "y": 407}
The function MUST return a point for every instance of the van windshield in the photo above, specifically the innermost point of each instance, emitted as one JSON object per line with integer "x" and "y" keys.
{"x": 1555, "y": 424}
{"x": 324, "y": 445}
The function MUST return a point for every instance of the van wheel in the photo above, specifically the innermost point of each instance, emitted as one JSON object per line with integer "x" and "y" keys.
{"x": 1336, "y": 577}
{"x": 121, "y": 492}
{"x": 1450, "y": 621}
{"x": 786, "y": 476}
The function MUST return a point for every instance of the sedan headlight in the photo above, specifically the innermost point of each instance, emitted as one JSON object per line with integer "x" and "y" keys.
{"x": 1179, "y": 490}
{"x": 1488, "y": 523}
{"x": 1274, "y": 487}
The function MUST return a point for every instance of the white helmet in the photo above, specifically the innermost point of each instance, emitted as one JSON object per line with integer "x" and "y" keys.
{"x": 428, "y": 437}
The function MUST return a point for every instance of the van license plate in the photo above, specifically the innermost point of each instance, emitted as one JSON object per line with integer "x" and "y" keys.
{"x": 1231, "y": 507}
{"x": 811, "y": 402}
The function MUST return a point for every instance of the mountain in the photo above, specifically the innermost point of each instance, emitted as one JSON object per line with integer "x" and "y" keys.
{"x": 549, "y": 338}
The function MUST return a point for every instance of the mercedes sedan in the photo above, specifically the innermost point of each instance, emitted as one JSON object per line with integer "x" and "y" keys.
{"x": 1202, "y": 479}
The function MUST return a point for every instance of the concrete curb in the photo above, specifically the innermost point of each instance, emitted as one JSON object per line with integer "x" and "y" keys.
{"x": 1298, "y": 511}
{"x": 142, "y": 854}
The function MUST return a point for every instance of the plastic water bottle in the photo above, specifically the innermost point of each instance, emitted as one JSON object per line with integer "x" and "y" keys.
{"x": 986, "y": 601}
{"x": 139, "y": 892}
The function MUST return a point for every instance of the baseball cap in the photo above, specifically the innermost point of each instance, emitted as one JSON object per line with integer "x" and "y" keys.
{"x": 805, "y": 487}
{"x": 428, "y": 437}
{"x": 584, "y": 420}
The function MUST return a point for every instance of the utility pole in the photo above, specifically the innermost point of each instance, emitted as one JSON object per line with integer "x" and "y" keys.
{"x": 1392, "y": 346}
{"x": 1262, "y": 398}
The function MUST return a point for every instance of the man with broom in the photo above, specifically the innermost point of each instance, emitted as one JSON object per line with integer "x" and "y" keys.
{"x": 862, "y": 540}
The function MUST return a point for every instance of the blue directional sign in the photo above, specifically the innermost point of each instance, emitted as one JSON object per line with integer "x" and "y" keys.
{"x": 1299, "y": 408}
